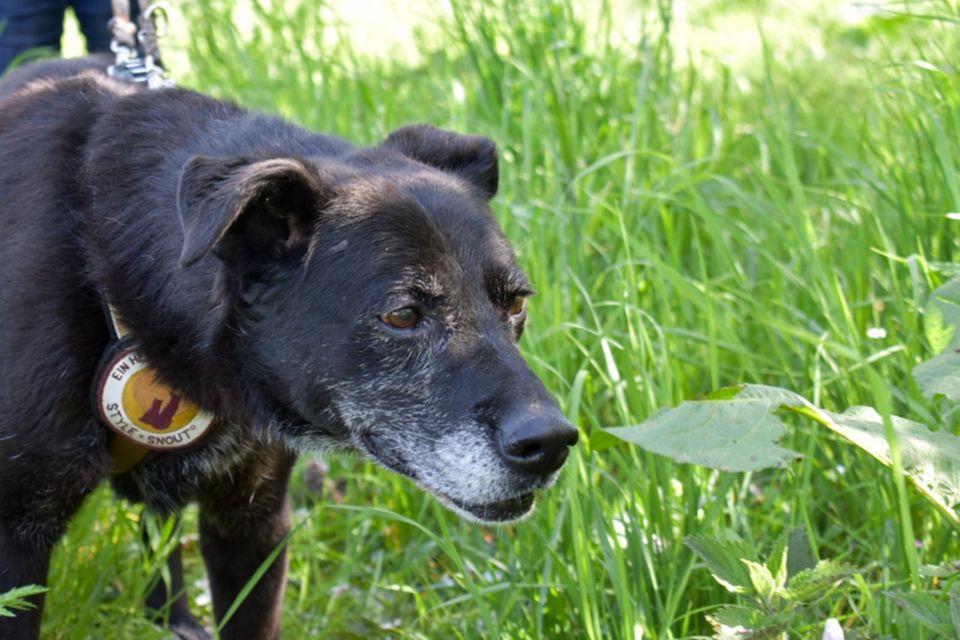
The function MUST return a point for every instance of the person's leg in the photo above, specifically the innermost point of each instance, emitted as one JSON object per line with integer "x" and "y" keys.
{"x": 93, "y": 16}
{"x": 24, "y": 26}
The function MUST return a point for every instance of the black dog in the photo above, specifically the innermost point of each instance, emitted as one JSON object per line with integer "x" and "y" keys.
{"x": 310, "y": 294}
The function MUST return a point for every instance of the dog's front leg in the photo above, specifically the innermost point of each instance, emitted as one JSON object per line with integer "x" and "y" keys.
{"x": 242, "y": 522}
{"x": 22, "y": 564}
{"x": 41, "y": 487}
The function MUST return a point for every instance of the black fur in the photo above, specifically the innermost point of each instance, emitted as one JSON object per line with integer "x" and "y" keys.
{"x": 254, "y": 264}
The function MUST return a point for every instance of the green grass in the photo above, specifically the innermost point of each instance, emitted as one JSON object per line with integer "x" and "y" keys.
{"x": 689, "y": 224}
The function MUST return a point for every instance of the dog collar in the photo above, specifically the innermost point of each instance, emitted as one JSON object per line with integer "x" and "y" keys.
{"x": 144, "y": 413}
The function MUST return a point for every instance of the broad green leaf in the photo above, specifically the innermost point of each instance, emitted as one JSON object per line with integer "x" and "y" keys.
{"x": 955, "y": 610}
{"x": 730, "y": 435}
{"x": 740, "y": 434}
{"x": 811, "y": 584}
{"x": 940, "y": 376}
{"x": 777, "y": 561}
{"x": 763, "y": 581}
{"x": 736, "y": 616}
{"x": 735, "y": 622}
{"x": 945, "y": 570}
{"x": 799, "y": 553}
{"x": 931, "y": 459}
{"x": 773, "y": 628}
{"x": 927, "y": 609}
{"x": 942, "y": 317}
{"x": 724, "y": 560}
{"x": 938, "y": 332}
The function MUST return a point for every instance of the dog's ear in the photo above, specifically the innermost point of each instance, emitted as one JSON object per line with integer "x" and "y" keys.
{"x": 471, "y": 157}
{"x": 248, "y": 211}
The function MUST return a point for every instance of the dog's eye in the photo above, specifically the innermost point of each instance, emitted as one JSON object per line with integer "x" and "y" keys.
{"x": 404, "y": 318}
{"x": 518, "y": 305}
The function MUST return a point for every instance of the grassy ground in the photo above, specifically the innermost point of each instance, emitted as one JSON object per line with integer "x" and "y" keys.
{"x": 692, "y": 220}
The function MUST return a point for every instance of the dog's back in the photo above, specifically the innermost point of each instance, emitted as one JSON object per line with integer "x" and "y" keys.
{"x": 51, "y": 328}
{"x": 53, "y": 69}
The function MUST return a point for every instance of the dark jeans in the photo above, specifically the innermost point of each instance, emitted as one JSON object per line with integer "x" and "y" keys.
{"x": 33, "y": 24}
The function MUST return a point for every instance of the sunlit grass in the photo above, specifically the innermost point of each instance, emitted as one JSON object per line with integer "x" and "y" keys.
{"x": 689, "y": 225}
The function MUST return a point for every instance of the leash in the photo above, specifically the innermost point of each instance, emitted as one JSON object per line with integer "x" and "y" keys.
{"x": 137, "y": 50}
{"x": 145, "y": 414}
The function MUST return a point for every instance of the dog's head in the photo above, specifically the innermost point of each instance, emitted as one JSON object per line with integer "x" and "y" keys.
{"x": 379, "y": 303}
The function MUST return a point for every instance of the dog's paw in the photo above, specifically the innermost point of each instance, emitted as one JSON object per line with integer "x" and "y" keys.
{"x": 314, "y": 475}
{"x": 189, "y": 630}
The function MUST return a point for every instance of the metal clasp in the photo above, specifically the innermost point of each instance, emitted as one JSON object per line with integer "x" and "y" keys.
{"x": 129, "y": 65}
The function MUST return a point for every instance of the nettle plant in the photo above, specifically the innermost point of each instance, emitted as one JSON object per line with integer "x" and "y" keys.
{"x": 774, "y": 592}
{"x": 738, "y": 429}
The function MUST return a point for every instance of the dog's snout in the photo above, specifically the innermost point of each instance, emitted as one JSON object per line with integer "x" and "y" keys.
{"x": 536, "y": 443}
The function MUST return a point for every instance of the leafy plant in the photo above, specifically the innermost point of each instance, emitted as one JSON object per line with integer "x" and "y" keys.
{"x": 738, "y": 429}
{"x": 16, "y": 599}
{"x": 937, "y": 613}
{"x": 775, "y": 592}
{"x": 940, "y": 376}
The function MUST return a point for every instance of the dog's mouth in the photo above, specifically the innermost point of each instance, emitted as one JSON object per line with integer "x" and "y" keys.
{"x": 498, "y": 512}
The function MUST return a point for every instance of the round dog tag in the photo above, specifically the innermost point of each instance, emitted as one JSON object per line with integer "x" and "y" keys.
{"x": 132, "y": 402}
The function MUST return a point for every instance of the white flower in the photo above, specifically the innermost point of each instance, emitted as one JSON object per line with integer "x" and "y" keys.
{"x": 832, "y": 630}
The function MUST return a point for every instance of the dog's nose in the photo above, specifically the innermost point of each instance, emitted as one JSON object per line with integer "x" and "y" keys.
{"x": 536, "y": 443}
